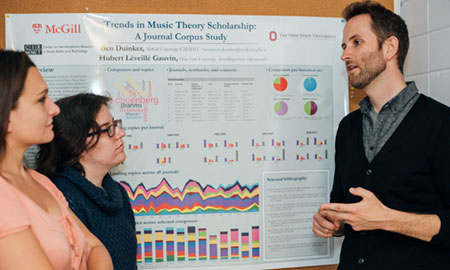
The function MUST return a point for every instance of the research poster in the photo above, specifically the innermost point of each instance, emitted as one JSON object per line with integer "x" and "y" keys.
{"x": 229, "y": 121}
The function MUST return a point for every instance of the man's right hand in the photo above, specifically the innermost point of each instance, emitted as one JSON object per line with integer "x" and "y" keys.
{"x": 324, "y": 226}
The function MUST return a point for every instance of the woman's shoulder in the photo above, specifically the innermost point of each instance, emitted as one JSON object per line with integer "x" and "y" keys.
{"x": 10, "y": 200}
{"x": 47, "y": 183}
{"x": 50, "y": 186}
{"x": 16, "y": 209}
{"x": 68, "y": 181}
{"x": 120, "y": 186}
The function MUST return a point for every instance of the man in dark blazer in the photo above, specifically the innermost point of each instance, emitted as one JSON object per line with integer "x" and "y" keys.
{"x": 391, "y": 190}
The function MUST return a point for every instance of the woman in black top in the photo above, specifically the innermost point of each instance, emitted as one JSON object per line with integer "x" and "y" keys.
{"x": 87, "y": 145}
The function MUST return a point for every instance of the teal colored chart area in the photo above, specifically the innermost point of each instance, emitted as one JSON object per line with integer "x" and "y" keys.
{"x": 310, "y": 84}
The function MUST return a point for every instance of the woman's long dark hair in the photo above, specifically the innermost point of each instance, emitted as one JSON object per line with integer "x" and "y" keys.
{"x": 14, "y": 68}
{"x": 71, "y": 127}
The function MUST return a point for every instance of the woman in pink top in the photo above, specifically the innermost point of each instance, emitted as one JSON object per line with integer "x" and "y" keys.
{"x": 37, "y": 230}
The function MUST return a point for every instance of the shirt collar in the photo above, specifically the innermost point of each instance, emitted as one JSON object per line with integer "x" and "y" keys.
{"x": 396, "y": 103}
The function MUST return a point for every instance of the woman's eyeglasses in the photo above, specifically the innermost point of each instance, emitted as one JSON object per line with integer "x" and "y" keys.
{"x": 111, "y": 130}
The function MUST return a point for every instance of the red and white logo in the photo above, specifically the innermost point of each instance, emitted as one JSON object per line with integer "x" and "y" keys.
{"x": 58, "y": 29}
{"x": 273, "y": 35}
{"x": 37, "y": 27}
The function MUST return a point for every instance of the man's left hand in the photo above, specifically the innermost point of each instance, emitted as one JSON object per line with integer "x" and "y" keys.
{"x": 368, "y": 214}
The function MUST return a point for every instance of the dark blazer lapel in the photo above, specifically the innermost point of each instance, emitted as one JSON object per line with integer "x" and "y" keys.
{"x": 359, "y": 140}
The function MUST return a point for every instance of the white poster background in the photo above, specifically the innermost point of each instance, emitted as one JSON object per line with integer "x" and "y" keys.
{"x": 234, "y": 103}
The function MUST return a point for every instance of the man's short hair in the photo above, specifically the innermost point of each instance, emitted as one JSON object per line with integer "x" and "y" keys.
{"x": 385, "y": 24}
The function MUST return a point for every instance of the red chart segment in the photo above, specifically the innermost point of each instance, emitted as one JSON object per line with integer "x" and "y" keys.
{"x": 280, "y": 84}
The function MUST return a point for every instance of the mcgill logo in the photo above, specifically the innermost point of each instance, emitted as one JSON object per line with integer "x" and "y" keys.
{"x": 37, "y": 27}
{"x": 58, "y": 29}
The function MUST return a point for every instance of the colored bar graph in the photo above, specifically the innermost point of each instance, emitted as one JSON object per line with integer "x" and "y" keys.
{"x": 223, "y": 245}
{"x": 170, "y": 244}
{"x": 319, "y": 143}
{"x": 245, "y": 245}
{"x": 299, "y": 143}
{"x": 148, "y": 252}
{"x": 213, "y": 247}
{"x": 210, "y": 160}
{"x": 257, "y": 158}
{"x": 228, "y": 144}
{"x": 257, "y": 144}
{"x": 163, "y": 160}
{"x": 170, "y": 256}
{"x": 209, "y": 145}
{"x": 191, "y": 244}
{"x": 181, "y": 253}
{"x": 283, "y": 156}
{"x": 234, "y": 244}
{"x": 159, "y": 245}
{"x": 277, "y": 143}
{"x": 139, "y": 247}
{"x": 162, "y": 146}
{"x": 319, "y": 157}
{"x": 255, "y": 241}
{"x": 232, "y": 160}
{"x": 136, "y": 147}
{"x": 300, "y": 157}
{"x": 181, "y": 145}
{"x": 202, "y": 244}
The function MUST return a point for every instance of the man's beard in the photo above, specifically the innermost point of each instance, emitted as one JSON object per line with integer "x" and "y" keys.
{"x": 370, "y": 67}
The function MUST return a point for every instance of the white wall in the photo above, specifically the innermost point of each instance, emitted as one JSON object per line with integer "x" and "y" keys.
{"x": 428, "y": 61}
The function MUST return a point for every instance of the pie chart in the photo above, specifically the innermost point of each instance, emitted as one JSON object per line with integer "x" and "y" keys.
{"x": 310, "y": 108}
{"x": 280, "y": 108}
{"x": 280, "y": 84}
{"x": 310, "y": 84}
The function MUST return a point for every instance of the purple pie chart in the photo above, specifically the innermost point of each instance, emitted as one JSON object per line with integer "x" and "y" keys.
{"x": 280, "y": 108}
